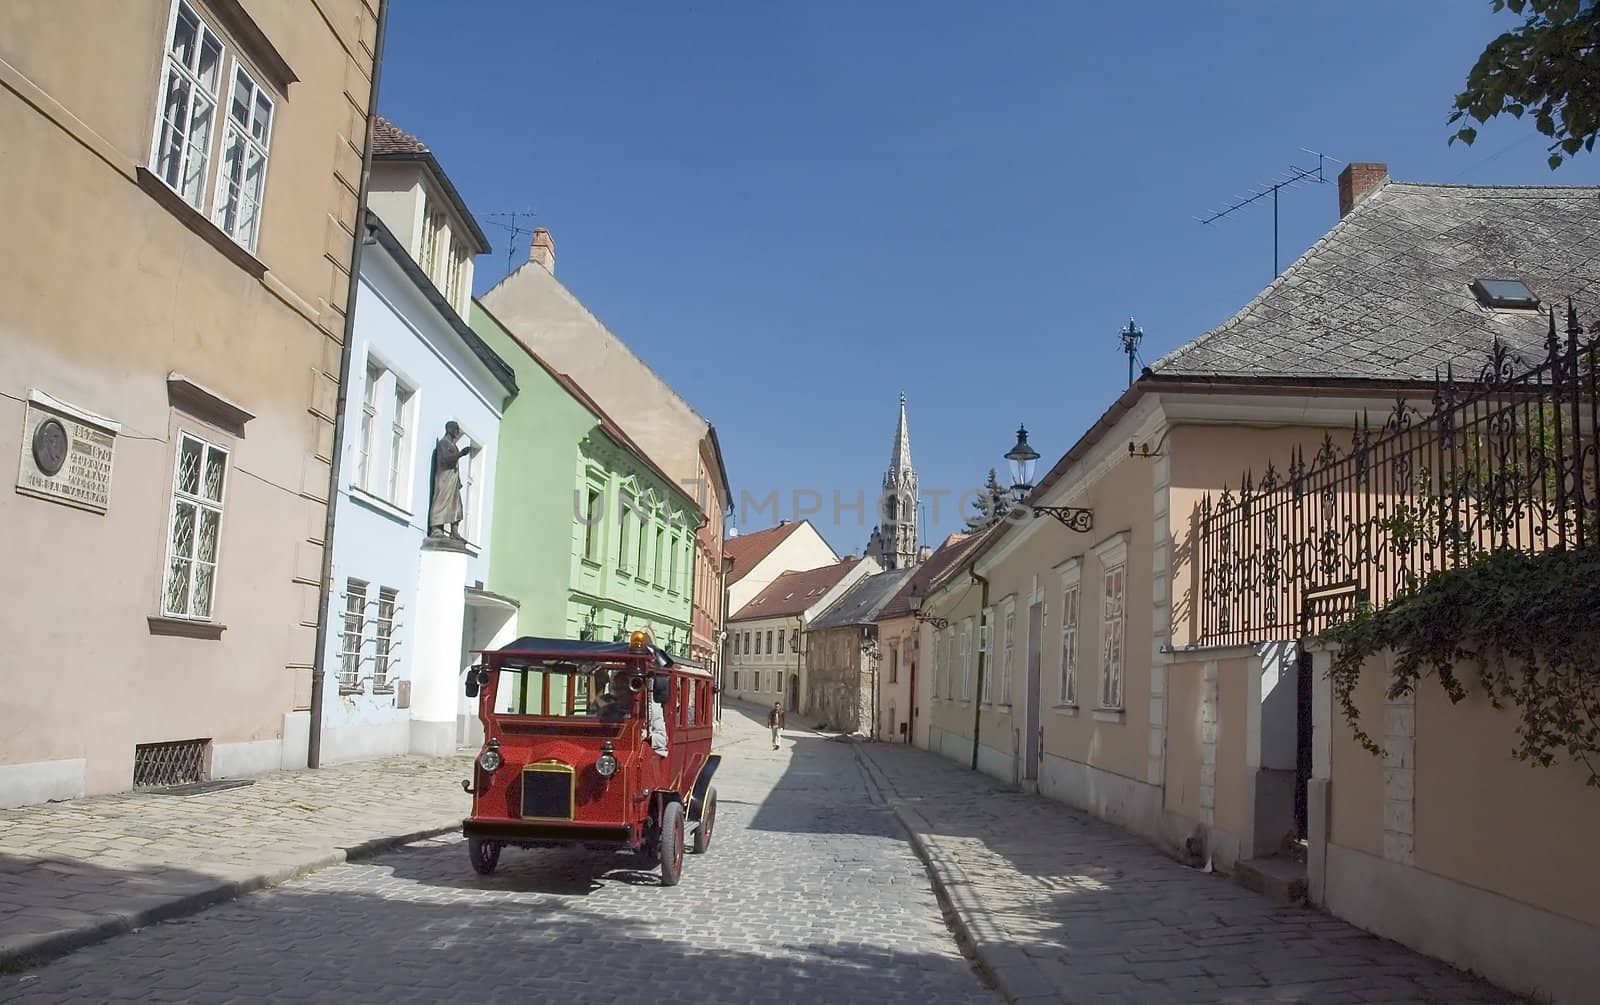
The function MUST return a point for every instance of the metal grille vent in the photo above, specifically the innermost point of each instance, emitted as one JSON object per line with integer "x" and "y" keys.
{"x": 180, "y": 762}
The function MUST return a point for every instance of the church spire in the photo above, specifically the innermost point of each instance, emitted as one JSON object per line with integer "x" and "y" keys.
{"x": 900, "y": 459}
{"x": 894, "y": 541}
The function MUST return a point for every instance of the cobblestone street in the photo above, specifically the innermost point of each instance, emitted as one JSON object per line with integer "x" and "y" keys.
{"x": 809, "y": 893}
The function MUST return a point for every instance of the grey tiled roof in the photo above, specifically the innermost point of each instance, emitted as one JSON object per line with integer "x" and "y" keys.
{"x": 1386, "y": 293}
{"x": 862, "y": 602}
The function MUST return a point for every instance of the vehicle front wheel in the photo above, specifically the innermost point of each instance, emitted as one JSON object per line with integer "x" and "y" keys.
{"x": 485, "y": 855}
{"x": 671, "y": 844}
{"x": 708, "y": 818}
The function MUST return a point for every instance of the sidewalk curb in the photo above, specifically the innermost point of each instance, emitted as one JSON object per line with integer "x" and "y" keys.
{"x": 1015, "y": 975}
{"x": 26, "y": 953}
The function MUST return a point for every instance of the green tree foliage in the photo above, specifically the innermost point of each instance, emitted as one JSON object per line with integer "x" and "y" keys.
{"x": 1548, "y": 68}
{"x": 991, "y": 507}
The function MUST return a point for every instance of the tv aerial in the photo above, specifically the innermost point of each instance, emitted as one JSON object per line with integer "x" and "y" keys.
{"x": 512, "y": 221}
{"x": 1295, "y": 175}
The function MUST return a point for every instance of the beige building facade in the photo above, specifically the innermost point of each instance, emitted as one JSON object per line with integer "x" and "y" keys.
{"x": 181, "y": 221}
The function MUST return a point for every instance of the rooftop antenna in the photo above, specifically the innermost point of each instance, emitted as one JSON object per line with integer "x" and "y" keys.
{"x": 1294, "y": 176}
{"x": 515, "y": 226}
{"x": 1131, "y": 337}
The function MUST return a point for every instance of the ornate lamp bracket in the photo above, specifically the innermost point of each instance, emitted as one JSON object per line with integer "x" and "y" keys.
{"x": 939, "y": 624}
{"x": 1070, "y": 517}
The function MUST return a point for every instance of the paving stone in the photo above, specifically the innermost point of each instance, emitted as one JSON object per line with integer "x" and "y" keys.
{"x": 1106, "y": 917}
{"x": 810, "y": 893}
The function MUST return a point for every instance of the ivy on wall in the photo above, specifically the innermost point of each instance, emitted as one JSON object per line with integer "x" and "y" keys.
{"x": 1528, "y": 623}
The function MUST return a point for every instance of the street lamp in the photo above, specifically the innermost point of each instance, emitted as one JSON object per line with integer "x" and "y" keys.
{"x": 1022, "y": 458}
{"x": 914, "y": 601}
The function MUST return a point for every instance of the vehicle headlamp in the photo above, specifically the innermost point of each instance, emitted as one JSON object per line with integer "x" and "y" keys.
{"x": 490, "y": 760}
{"x": 606, "y": 763}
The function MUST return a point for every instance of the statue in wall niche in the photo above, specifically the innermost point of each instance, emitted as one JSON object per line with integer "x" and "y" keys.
{"x": 446, "y": 512}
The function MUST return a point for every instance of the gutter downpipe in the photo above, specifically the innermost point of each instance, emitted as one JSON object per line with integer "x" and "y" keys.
{"x": 319, "y": 660}
{"x": 977, "y": 705}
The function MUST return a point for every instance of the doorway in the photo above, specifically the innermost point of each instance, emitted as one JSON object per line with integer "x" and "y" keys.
{"x": 1030, "y": 769}
{"x": 1302, "y": 765}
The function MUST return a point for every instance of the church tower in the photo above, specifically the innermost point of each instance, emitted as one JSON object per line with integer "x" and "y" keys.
{"x": 894, "y": 541}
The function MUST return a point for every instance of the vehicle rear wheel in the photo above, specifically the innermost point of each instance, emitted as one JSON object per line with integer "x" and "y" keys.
{"x": 708, "y": 817}
{"x": 485, "y": 855}
{"x": 671, "y": 843}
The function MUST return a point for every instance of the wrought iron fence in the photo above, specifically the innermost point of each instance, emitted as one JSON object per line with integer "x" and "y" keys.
{"x": 1503, "y": 459}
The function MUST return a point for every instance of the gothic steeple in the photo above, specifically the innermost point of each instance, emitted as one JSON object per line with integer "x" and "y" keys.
{"x": 894, "y": 541}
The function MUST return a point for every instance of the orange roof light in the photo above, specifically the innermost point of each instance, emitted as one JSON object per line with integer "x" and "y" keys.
{"x": 638, "y": 641}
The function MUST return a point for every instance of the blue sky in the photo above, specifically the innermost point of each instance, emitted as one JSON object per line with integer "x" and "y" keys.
{"x": 796, "y": 211}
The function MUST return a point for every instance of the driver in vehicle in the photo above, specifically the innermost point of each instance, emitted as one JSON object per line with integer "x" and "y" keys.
{"x": 615, "y": 699}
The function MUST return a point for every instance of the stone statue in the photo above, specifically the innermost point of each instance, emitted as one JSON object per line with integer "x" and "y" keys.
{"x": 446, "y": 513}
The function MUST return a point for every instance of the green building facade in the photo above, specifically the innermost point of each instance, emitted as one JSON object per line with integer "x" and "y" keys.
{"x": 590, "y": 537}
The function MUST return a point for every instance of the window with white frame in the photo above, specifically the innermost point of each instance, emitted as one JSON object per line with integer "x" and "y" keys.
{"x": 1008, "y": 654}
{"x": 592, "y": 516}
{"x": 351, "y": 654}
{"x": 223, "y": 176}
{"x": 472, "y": 467}
{"x": 986, "y": 644}
{"x": 938, "y": 664}
{"x": 194, "y": 529}
{"x": 242, "y": 175}
{"x": 383, "y": 660}
{"x": 660, "y": 567}
{"x": 1113, "y": 612}
{"x": 638, "y": 553}
{"x": 672, "y": 576}
{"x": 966, "y": 659}
{"x": 622, "y": 533}
{"x": 432, "y": 231}
{"x": 1071, "y": 602}
{"x": 367, "y": 445}
{"x": 457, "y": 269}
{"x": 400, "y": 441}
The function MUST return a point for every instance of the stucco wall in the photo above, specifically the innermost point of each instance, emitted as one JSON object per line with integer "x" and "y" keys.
{"x": 756, "y": 670}
{"x": 116, "y": 290}
{"x": 897, "y": 640}
{"x": 379, "y": 541}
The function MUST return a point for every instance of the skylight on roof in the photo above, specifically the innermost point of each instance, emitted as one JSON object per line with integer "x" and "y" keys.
{"x": 1513, "y": 293}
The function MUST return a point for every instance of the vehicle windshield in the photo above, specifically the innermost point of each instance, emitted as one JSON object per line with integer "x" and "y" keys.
{"x": 563, "y": 689}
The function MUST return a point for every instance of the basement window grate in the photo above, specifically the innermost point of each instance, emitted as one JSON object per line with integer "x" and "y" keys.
{"x": 180, "y": 762}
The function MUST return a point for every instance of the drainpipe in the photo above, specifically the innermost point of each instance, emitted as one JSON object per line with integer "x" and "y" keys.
{"x": 319, "y": 660}
{"x": 977, "y": 704}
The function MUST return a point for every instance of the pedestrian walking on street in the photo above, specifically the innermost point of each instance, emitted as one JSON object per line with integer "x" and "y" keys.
{"x": 775, "y": 720}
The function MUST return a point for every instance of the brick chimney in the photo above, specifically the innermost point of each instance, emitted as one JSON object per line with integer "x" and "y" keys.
{"x": 542, "y": 249}
{"x": 1357, "y": 181}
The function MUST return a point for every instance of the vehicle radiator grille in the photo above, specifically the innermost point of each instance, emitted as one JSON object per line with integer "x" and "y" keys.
{"x": 547, "y": 792}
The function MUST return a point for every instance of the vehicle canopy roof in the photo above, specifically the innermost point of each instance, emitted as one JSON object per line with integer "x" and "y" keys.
{"x": 529, "y": 649}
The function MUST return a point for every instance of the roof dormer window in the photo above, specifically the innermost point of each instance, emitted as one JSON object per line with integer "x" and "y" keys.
{"x": 1505, "y": 294}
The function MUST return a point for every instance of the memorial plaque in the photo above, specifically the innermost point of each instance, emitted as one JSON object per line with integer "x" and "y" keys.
{"x": 64, "y": 457}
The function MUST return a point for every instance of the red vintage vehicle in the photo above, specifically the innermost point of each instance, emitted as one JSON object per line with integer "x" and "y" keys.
{"x": 603, "y": 745}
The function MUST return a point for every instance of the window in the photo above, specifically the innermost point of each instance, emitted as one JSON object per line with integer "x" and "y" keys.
{"x": 638, "y": 555}
{"x": 769, "y": 642}
{"x": 355, "y": 626}
{"x": 458, "y": 268}
{"x": 660, "y": 566}
{"x": 1114, "y": 583}
{"x": 1512, "y": 293}
{"x": 985, "y": 630}
{"x": 894, "y": 665}
{"x": 471, "y": 468}
{"x": 243, "y": 172}
{"x": 400, "y": 442}
{"x": 938, "y": 665}
{"x": 747, "y": 643}
{"x": 622, "y": 534}
{"x": 383, "y": 639}
{"x": 966, "y": 659}
{"x": 432, "y": 229}
{"x": 195, "y": 529}
{"x": 758, "y": 643}
{"x": 1071, "y": 594}
{"x": 367, "y": 459}
{"x": 672, "y": 576}
{"x": 187, "y": 112}
{"x": 591, "y": 525}
{"x": 196, "y": 65}
{"x": 781, "y": 641}
{"x": 1007, "y": 659}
